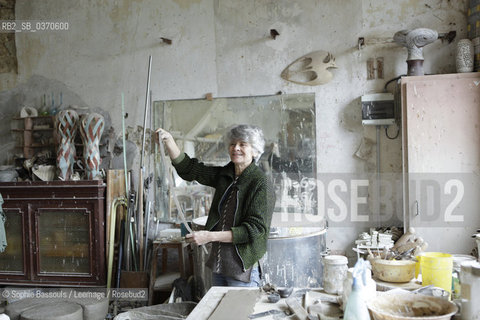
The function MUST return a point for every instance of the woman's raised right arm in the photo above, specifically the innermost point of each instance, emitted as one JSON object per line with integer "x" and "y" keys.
{"x": 170, "y": 144}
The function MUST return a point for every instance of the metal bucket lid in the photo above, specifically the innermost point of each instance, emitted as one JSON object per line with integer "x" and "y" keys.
{"x": 335, "y": 259}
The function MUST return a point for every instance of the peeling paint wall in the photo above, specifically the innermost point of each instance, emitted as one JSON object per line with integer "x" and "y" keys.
{"x": 224, "y": 47}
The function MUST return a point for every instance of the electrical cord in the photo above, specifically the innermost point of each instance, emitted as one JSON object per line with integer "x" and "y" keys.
{"x": 390, "y": 81}
{"x": 396, "y": 135}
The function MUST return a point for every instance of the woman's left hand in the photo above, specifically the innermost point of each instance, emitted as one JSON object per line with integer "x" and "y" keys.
{"x": 198, "y": 237}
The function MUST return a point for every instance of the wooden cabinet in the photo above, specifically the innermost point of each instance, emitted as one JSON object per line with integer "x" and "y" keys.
{"x": 55, "y": 233}
{"x": 441, "y": 158}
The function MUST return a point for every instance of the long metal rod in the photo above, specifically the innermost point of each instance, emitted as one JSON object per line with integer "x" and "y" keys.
{"x": 124, "y": 146}
{"x": 378, "y": 177}
{"x": 140, "y": 177}
{"x": 145, "y": 116}
{"x": 174, "y": 194}
{"x": 129, "y": 242}
{"x": 147, "y": 226}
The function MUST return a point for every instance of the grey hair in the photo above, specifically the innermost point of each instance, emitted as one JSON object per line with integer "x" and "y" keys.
{"x": 248, "y": 133}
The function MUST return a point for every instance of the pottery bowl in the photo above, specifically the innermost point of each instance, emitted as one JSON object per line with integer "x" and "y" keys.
{"x": 408, "y": 306}
{"x": 285, "y": 292}
{"x": 393, "y": 270}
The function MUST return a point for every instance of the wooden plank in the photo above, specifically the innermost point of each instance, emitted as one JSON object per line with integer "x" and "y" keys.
{"x": 236, "y": 304}
{"x": 212, "y": 299}
{"x": 115, "y": 189}
{"x": 295, "y": 306}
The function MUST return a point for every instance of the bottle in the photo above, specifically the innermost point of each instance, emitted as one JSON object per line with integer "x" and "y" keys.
{"x": 356, "y": 308}
{"x": 369, "y": 287}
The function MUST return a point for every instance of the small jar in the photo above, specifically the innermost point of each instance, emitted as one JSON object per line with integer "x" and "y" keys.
{"x": 334, "y": 272}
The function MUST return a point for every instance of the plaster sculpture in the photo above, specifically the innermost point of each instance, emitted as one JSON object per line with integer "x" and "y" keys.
{"x": 66, "y": 122}
{"x": 414, "y": 40}
{"x": 44, "y": 172}
{"x": 28, "y": 112}
{"x": 311, "y": 69}
{"x": 91, "y": 127}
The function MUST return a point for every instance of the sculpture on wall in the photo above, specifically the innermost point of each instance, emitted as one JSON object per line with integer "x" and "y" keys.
{"x": 311, "y": 69}
{"x": 66, "y": 122}
{"x": 414, "y": 40}
{"x": 91, "y": 127}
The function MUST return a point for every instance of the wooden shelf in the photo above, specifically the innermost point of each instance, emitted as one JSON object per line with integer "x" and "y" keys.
{"x": 37, "y": 117}
{"x": 30, "y": 144}
{"x": 34, "y": 129}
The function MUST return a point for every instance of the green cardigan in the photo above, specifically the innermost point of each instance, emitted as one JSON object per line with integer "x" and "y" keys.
{"x": 255, "y": 203}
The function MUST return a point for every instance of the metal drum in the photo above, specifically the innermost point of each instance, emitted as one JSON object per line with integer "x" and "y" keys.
{"x": 295, "y": 248}
{"x": 202, "y": 275}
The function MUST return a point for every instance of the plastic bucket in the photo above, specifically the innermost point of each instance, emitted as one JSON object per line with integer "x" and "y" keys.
{"x": 436, "y": 269}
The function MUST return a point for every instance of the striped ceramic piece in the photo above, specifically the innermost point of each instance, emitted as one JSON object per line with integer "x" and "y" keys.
{"x": 91, "y": 128}
{"x": 66, "y": 123}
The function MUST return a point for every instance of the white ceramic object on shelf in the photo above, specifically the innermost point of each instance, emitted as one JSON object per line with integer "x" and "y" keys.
{"x": 464, "y": 57}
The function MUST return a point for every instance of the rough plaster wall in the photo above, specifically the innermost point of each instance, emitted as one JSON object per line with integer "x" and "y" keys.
{"x": 223, "y": 47}
{"x": 8, "y": 56}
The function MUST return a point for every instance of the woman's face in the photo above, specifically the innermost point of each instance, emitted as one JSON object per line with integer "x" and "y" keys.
{"x": 241, "y": 152}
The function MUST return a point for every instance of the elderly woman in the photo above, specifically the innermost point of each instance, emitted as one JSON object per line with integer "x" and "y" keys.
{"x": 239, "y": 218}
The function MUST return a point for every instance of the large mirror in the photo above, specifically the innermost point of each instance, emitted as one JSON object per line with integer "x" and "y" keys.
{"x": 288, "y": 122}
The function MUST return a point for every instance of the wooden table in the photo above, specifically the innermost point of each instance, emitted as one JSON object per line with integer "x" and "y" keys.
{"x": 210, "y": 301}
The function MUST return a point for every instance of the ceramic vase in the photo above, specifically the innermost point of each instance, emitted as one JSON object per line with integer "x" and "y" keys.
{"x": 464, "y": 58}
{"x": 91, "y": 127}
{"x": 66, "y": 123}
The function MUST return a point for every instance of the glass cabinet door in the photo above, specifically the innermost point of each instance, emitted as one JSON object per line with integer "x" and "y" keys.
{"x": 11, "y": 260}
{"x": 63, "y": 241}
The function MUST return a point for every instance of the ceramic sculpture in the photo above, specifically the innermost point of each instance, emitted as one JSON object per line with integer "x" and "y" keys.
{"x": 464, "y": 58}
{"x": 66, "y": 123}
{"x": 414, "y": 40}
{"x": 91, "y": 127}
{"x": 311, "y": 69}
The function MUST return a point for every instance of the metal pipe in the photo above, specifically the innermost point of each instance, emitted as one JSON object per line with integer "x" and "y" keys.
{"x": 128, "y": 234}
{"x": 120, "y": 254}
{"x": 113, "y": 215}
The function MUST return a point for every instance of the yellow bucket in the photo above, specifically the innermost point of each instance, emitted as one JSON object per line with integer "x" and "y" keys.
{"x": 436, "y": 269}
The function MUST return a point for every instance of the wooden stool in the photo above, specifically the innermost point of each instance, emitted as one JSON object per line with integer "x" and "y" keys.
{"x": 164, "y": 280}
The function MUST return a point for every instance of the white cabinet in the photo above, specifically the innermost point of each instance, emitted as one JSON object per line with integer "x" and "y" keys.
{"x": 441, "y": 158}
